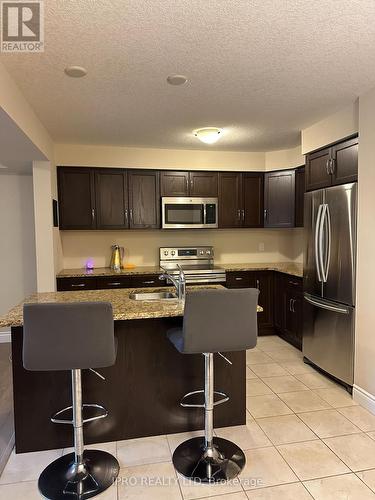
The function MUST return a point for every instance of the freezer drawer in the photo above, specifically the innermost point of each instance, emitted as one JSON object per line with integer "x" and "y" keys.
{"x": 328, "y": 337}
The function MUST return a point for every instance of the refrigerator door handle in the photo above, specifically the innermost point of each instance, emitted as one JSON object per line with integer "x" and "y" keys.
{"x": 325, "y": 305}
{"x": 317, "y": 243}
{"x": 327, "y": 221}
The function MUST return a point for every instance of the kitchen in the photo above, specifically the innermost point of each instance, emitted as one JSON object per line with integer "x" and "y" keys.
{"x": 157, "y": 213}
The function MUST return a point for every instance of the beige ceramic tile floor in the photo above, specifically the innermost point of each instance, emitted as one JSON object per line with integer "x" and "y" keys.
{"x": 305, "y": 438}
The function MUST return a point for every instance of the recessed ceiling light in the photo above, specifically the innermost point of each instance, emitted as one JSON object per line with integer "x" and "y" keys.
{"x": 75, "y": 71}
{"x": 208, "y": 135}
{"x": 3, "y": 166}
{"x": 176, "y": 79}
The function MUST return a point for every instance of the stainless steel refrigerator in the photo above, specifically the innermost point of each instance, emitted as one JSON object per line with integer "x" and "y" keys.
{"x": 329, "y": 279}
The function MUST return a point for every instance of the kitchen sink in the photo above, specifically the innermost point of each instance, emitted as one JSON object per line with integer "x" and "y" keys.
{"x": 153, "y": 296}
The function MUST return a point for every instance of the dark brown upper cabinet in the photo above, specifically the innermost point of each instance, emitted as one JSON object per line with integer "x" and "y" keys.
{"x": 345, "y": 162}
{"x": 144, "y": 199}
{"x": 111, "y": 192}
{"x": 76, "y": 188}
{"x": 196, "y": 183}
{"x": 333, "y": 165}
{"x": 279, "y": 198}
{"x": 230, "y": 199}
{"x": 300, "y": 196}
{"x": 174, "y": 183}
{"x": 252, "y": 199}
{"x": 241, "y": 199}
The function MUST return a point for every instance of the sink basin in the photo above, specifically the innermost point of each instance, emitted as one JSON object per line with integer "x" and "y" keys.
{"x": 153, "y": 296}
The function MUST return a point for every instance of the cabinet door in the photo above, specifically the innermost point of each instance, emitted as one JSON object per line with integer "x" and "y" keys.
{"x": 345, "y": 162}
{"x": 111, "y": 199}
{"x": 76, "y": 198}
{"x": 230, "y": 185}
{"x": 113, "y": 282}
{"x": 147, "y": 280}
{"x": 144, "y": 199}
{"x": 300, "y": 194}
{"x": 317, "y": 170}
{"x": 279, "y": 199}
{"x": 174, "y": 183}
{"x": 264, "y": 282}
{"x": 253, "y": 199}
{"x": 203, "y": 184}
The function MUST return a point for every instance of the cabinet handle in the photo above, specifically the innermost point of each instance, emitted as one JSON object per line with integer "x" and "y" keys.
{"x": 265, "y": 214}
{"x": 115, "y": 283}
{"x": 80, "y": 285}
{"x": 294, "y": 283}
{"x": 243, "y": 214}
{"x": 151, "y": 282}
{"x": 293, "y": 302}
{"x": 93, "y": 214}
{"x": 238, "y": 279}
{"x": 126, "y": 216}
{"x": 187, "y": 185}
{"x": 258, "y": 284}
{"x": 290, "y": 305}
{"x": 131, "y": 215}
{"x": 239, "y": 214}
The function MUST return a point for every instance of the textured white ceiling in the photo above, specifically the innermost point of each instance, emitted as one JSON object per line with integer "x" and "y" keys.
{"x": 261, "y": 69}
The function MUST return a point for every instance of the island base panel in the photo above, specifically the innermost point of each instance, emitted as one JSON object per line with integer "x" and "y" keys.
{"x": 142, "y": 391}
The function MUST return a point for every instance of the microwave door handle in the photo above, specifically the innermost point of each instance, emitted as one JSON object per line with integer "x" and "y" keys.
{"x": 204, "y": 214}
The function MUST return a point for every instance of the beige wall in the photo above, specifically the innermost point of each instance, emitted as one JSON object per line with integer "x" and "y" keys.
{"x": 285, "y": 158}
{"x": 365, "y": 318}
{"x": 114, "y": 156}
{"x": 235, "y": 245}
{"x": 16, "y": 106}
{"x": 17, "y": 242}
{"x": 333, "y": 128}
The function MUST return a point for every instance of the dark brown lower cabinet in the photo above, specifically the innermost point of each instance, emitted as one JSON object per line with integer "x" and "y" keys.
{"x": 281, "y": 298}
{"x": 263, "y": 280}
{"x": 109, "y": 282}
{"x": 288, "y": 300}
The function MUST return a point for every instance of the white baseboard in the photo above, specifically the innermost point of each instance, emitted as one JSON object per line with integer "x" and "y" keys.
{"x": 364, "y": 398}
{"x": 5, "y": 337}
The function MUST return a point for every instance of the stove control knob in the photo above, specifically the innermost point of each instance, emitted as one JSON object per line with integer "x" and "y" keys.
{"x": 201, "y": 252}
{"x": 208, "y": 252}
{"x": 165, "y": 252}
{"x": 173, "y": 253}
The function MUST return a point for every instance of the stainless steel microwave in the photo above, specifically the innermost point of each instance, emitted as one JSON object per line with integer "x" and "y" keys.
{"x": 189, "y": 212}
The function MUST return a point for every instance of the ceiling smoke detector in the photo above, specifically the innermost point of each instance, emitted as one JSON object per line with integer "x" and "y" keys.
{"x": 208, "y": 135}
{"x": 75, "y": 71}
{"x": 176, "y": 79}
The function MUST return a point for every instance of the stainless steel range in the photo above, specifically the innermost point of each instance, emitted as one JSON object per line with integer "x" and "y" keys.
{"x": 196, "y": 262}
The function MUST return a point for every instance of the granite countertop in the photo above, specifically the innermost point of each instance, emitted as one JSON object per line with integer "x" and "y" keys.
{"x": 124, "y": 308}
{"x": 292, "y": 268}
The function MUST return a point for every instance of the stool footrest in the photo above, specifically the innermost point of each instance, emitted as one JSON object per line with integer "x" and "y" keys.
{"x": 224, "y": 399}
{"x": 57, "y": 418}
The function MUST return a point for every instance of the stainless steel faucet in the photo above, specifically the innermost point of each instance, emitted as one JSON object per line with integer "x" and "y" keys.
{"x": 179, "y": 282}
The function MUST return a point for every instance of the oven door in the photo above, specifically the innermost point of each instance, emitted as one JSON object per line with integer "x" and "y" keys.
{"x": 189, "y": 213}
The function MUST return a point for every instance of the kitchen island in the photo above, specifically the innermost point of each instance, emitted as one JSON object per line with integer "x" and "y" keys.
{"x": 142, "y": 390}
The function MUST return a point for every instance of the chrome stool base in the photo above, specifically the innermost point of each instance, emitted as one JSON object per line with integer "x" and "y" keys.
{"x": 192, "y": 461}
{"x": 62, "y": 481}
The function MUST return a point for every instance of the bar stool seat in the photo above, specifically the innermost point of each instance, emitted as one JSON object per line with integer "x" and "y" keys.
{"x": 215, "y": 321}
{"x": 73, "y": 336}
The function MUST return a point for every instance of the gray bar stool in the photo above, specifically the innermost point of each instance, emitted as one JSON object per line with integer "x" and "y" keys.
{"x": 72, "y": 336}
{"x": 215, "y": 321}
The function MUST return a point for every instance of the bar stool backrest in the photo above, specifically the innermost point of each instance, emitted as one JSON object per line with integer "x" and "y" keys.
{"x": 68, "y": 336}
{"x": 220, "y": 320}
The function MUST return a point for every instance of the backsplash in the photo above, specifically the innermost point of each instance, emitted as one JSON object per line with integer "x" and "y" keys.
{"x": 142, "y": 247}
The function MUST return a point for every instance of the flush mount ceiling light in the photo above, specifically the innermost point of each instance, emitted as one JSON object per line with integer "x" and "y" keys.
{"x": 75, "y": 71}
{"x": 208, "y": 135}
{"x": 176, "y": 79}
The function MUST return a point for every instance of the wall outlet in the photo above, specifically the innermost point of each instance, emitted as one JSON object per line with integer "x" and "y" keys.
{"x": 261, "y": 247}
